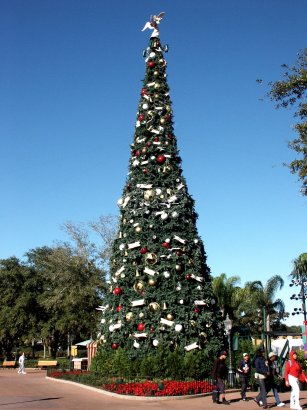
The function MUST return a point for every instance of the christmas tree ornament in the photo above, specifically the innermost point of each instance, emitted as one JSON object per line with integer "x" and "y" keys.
{"x": 169, "y": 316}
{"x": 138, "y": 229}
{"x": 140, "y": 327}
{"x": 138, "y": 286}
{"x": 145, "y": 106}
{"x": 141, "y": 117}
{"x": 115, "y": 346}
{"x": 178, "y": 268}
{"x": 129, "y": 316}
{"x": 155, "y": 342}
{"x": 136, "y": 344}
{"x": 117, "y": 291}
{"x": 178, "y": 328}
{"x": 153, "y": 306}
{"x": 149, "y": 195}
{"x": 152, "y": 282}
{"x": 151, "y": 258}
{"x": 166, "y": 274}
{"x": 151, "y": 64}
{"x": 143, "y": 250}
{"x": 119, "y": 308}
{"x": 141, "y": 315}
{"x": 144, "y": 150}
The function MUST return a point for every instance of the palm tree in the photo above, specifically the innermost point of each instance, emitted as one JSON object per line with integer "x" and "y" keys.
{"x": 258, "y": 298}
{"x": 225, "y": 290}
{"x": 300, "y": 267}
{"x": 299, "y": 277}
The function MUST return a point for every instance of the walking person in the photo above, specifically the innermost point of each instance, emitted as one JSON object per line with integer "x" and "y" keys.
{"x": 261, "y": 373}
{"x": 244, "y": 370}
{"x": 273, "y": 374}
{"x": 21, "y": 362}
{"x": 219, "y": 373}
{"x": 293, "y": 375}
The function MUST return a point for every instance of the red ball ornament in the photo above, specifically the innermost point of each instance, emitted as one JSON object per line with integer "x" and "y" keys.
{"x": 137, "y": 153}
{"x": 152, "y": 329}
{"x": 197, "y": 310}
{"x": 151, "y": 64}
{"x": 141, "y": 327}
{"x": 170, "y": 136}
{"x": 119, "y": 308}
{"x": 143, "y": 91}
{"x": 188, "y": 277}
{"x": 117, "y": 291}
{"x": 161, "y": 159}
{"x": 148, "y": 143}
{"x": 165, "y": 245}
{"x": 179, "y": 253}
{"x": 146, "y": 171}
{"x": 156, "y": 139}
{"x": 141, "y": 117}
{"x": 115, "y": 346}
{"x": 143, "y": 250}
{"x": 168, "y": 117}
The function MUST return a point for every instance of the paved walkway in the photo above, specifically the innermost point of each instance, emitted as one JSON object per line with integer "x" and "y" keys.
{"x": 35, "y": 391}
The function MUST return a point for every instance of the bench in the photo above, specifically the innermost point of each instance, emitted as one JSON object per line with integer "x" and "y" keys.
{"x": 47, "y": 363}
{"x": 8, "y": 364}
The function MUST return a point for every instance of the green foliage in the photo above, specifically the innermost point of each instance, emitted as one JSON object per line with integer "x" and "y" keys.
{"x": 291, "y": 91}
{"x": 159, "y": 365}
{"x": 159, "y": 278}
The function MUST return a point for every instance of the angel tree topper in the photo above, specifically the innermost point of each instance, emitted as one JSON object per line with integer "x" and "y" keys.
{"x": 153, "y": 24}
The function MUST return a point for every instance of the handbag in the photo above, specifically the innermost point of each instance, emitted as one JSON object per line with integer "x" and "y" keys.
{"x": 260, "y": 376}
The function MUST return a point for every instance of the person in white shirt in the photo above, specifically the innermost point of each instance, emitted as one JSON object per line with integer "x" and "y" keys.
{"x": 21, "y": 362}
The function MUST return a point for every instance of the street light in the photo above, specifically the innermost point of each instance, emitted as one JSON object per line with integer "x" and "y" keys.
{"x": 228, "y": 327}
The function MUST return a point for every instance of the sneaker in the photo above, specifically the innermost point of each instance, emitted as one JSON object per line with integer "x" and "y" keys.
{"x": 281, "y": 404}
{"x": 24, "y": 373}
{"x": 257, "y": 402}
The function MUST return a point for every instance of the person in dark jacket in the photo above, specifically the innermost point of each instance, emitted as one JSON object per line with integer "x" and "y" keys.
{"x": 261, "y": 373}
{"x": 219, "y": 373}
{"x": 271, "y": 383}
{"x": 244, "y": 370}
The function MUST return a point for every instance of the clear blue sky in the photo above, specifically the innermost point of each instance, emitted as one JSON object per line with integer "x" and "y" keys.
{"x": 70, "y": 78}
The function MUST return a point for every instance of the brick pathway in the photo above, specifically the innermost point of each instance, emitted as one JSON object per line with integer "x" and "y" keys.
{"x": 35, "y": 391}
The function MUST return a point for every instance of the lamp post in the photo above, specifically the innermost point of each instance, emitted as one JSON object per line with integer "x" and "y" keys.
{"x": 228, "y": 327}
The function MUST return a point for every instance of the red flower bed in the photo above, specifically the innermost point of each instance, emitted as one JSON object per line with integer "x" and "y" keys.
{"x": 167, "y": 388}
{"x": 147, "y": 388}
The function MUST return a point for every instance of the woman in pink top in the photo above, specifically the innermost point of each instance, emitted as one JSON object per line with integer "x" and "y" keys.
{"x": 293, "y": 375}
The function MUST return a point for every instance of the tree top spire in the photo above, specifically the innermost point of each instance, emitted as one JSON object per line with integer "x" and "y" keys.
{"x": 153, "y": 24}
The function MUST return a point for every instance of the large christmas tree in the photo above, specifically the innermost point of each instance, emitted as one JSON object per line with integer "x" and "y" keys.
{"x": 160, "y": 285}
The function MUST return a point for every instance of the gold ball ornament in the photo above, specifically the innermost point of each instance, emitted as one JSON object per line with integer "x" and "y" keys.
{"x": 138, "y": 286}
{"x": 138, "y": 229}
{"x": 154, "y": 306}
{"x": 178, "y": 268}
{"x": 156, "y": 73}
{"x": 149, "y": 195}
{"x": 152, "y": 282}
{"x": 144, "y": 150}
{"x": 162, "y": 120}
{"x": 157, "y": 85}
{"x": 129, "y": 316}
{"x": 151, "y": 258}
{"x": 169, "y": 316}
